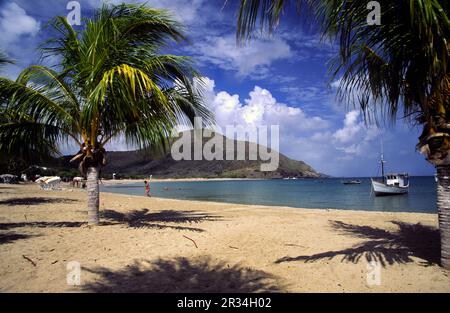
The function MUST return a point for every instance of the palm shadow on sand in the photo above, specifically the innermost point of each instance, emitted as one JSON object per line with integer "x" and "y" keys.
{"x": 4, "y": 188}
{"x": 5, "y": 226}
{"x": 11, "y": 237}
{"x": 181, "y": 275}
{"x": 35, "y": 201}
{"x": 39, "y": 224}
{"x": 385, "y": 247}
{"x": 143, "y": 218}
{"x": 135, "y": 219}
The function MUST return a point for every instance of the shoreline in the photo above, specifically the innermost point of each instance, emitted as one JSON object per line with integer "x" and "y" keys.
{"x": 135, "y": 180}
{"x": 268, "y": 207}
{"x": 144, "y": 245}
{"x": 67, "y": 187}
{"x": 108, "y": 182}
{"x": 251, "y": 204}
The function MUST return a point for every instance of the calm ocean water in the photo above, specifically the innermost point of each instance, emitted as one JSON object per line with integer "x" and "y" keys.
{"x": 307, "y": 193}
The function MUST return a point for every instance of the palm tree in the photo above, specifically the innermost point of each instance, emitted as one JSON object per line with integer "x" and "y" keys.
{"x": 112, "y": 80}
{"x": 402, "y": 64}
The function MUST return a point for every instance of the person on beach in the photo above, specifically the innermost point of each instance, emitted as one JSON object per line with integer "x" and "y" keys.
{"x": 147, "y": 188}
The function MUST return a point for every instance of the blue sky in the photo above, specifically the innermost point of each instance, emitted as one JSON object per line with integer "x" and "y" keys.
{"x": 279, "y": 80}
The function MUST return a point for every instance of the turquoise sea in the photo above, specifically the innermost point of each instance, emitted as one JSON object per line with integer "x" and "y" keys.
{"x": 301, "y": 193}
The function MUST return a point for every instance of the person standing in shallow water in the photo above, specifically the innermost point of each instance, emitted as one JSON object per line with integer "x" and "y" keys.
{"x": 147, "y": 188}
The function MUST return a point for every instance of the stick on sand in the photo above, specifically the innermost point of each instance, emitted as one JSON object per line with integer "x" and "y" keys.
{"x": 191, "y": 240}
{"x": 29, "y": 260}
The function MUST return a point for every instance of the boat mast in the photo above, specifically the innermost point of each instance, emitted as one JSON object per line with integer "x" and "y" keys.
{"x": 382, "y": 161}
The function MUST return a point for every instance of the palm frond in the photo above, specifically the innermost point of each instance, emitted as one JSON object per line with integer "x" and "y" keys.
{"x": 267, "y": 13}
{"x": 4, "y": 59}
{"x": 398, "y": 64}
{"x": 40, "y": 103}
{"x": 382, "y": 68}
{"x": 23, "y": 137}
{"x": 112, "y": 80}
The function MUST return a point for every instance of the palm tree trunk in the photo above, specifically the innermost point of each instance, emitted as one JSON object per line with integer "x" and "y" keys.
{"x": 93, "y": 195}
{"x": 443, "y": 205}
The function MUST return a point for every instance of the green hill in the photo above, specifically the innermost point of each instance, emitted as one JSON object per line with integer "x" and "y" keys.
{"x": 140, "y": 163}
{"x": 137, "y": 163}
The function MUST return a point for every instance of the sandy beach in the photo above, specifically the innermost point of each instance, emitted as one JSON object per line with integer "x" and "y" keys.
{"x": 160, "y": 245}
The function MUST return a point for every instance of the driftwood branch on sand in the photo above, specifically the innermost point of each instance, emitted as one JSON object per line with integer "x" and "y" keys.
{"x": 29, "y": 260}
{"x": 191, "y": 240}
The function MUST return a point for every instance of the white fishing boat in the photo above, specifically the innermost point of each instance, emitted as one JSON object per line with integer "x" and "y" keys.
{"x": 391, "y": 183}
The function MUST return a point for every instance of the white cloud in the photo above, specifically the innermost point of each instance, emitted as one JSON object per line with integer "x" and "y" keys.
{"x": 350, "y": 129}
{"x": 185, "y": 11}
{"x": 354, "y": 137}
{"x": 15, "y": 23}
{"x": 254, "y": 59}
{"x": 336, "y": 83}
{"x": 306, "y": 94}
{"x": 18, "y": 34}
{"x": 333, "y": 151}
{"x": 308, "y": 45}
{"x": 302, "y": 136}
{"x": 260, "y": 108}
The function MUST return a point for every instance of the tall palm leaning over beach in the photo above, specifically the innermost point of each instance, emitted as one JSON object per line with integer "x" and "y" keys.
{"x": 112, "y": 80}
{"x": 402, "y": 64}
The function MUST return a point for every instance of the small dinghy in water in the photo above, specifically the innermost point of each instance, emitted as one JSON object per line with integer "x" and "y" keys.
{"x": 352, "y": 182}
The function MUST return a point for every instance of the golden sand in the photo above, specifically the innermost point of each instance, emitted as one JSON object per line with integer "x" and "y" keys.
{"x": 160, "y": 245}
